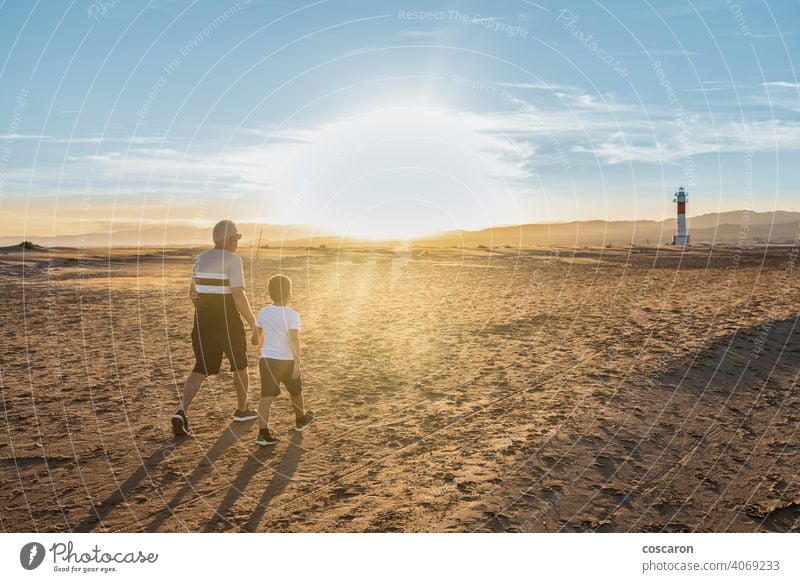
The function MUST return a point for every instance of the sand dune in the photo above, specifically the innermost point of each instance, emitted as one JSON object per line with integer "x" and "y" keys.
{"x": 644, "y": 389}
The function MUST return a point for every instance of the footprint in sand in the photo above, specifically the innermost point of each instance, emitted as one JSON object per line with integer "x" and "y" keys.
{"x": 606, "y": 466}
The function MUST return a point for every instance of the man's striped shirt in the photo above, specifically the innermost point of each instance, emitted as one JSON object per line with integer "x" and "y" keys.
{"x": 216, "y": 272}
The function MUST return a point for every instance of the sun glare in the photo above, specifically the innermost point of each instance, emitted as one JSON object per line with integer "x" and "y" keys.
{"x": 399, "y": 172}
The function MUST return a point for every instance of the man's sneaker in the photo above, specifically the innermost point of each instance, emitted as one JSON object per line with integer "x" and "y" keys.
{"x": 243, "y": 415}
{"x": 301, "y": 424}
{"x": 180, "y": 424}
{"x": 265, "y": 437}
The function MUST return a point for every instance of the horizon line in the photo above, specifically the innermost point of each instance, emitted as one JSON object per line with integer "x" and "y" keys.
{"x": 204, "y": 224}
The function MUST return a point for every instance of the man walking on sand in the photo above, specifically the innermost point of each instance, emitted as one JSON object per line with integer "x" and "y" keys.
{"x": 217, "y": 291}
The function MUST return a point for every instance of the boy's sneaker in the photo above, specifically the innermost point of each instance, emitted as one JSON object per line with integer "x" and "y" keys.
{"x": 301, "y": 424}
{"x": 243, "y": 415}
{"x": 180, "y": 424}
{"x": 265, "y": 437}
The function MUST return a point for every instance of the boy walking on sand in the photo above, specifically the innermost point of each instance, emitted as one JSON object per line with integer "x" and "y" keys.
{"x": 278, "y": 332}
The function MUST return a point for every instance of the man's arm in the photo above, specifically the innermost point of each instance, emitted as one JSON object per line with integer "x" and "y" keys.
{"x": 192, "y": 291}
{"x": 235, "y": 271}
{"x": 243, "y": 306}
{"x": 258, "y": 335}
{"x": 294, "y": 340}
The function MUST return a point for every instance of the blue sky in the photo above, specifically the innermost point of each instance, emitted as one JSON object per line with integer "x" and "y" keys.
{"x": 393, "y": 118}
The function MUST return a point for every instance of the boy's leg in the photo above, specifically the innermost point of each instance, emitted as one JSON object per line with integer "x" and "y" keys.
{"x": 264, "y": 406}
{"x": 302, "y": 417}
{"x": 190, "y": 389}
{"x": 269, "y": 390}
{"x": 298, "y": 405}
{"x": 295, "y": 388}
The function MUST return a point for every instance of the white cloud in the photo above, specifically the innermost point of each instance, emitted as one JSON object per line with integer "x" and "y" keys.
{"x": 659, "y": 53}
{"x": 531, "y": 85}
{"x": 139, "y": 140}
{"x": 685, "y": 8}
{"x": 769, "y": 35}
{"x": 618, "y": 151}
{"x": 9, "y": 137}
{"x": 421, "y": 33}
{"x": 781, "y": 85}
{"x": 706, "y": 89}
{"x": 701, "y": 137}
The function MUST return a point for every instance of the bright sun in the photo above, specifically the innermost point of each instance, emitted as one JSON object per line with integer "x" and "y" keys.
{"x": 398, "y": 173}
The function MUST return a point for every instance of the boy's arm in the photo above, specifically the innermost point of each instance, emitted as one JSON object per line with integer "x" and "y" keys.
{"x": 294, "y": 340}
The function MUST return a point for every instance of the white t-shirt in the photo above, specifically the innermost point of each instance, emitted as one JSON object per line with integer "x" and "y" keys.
{"x": 276, "y": 321}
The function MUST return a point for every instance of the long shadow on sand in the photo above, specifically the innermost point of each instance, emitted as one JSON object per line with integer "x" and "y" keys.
{"x": 120, "y": 495}
{"x": 281, "y": 476}
{"x": 706, "y": 442}
{"x": 231, "y": 435}
{"x": 728, "y": 474}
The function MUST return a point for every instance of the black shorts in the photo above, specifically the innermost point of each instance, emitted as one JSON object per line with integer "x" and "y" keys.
{"x": 273, "y": 372}
{"x": 216, "y": 333}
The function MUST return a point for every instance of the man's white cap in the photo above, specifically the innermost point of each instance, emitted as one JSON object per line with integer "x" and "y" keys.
{"x": 223, "y": 230}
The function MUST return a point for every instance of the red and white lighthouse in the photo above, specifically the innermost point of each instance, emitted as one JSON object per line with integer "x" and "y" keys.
{"x": 681, "y": 237}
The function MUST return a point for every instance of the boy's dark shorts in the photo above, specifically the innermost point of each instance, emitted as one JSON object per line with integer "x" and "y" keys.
{"x": 211, "y": 339}
{"x": 273, "y": 372}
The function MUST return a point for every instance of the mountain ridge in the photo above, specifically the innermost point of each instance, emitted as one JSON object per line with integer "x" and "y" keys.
{"x": 781, "y": 226}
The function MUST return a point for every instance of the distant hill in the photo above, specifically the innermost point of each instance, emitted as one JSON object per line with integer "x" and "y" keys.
{"x": 736, "y": 217}
{"x": 734, "y": 227}
{"x": 169, "y": 235}
{"x": 25, "y": 245}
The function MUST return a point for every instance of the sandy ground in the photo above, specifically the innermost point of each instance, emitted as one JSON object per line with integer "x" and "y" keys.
{"x": 458, "y": 390}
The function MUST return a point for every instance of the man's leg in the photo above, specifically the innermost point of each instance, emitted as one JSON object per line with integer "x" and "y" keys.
{"x": 234, "y": 344}
{"x": 241, "y": 383}
{"x": 207, "y": 357}
{"x": 190, "y": 389}
{"x": 264, "y": 406}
